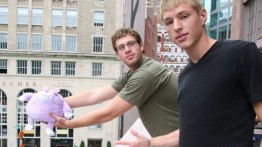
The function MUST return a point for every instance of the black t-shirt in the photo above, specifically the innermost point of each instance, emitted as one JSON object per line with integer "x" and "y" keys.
{"x": 216, "y": 96}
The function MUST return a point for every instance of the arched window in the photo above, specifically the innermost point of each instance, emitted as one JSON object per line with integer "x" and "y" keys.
{"x": 158, "y": 58}
{"x": 178, "y": 58}
{"x": 173, "y": 48}
{"x": 172, "y": 68}
{"x": 158, "y": 38}
{"x": 185, "y": 59}
{"x": 166, "y": 38}
{"x": 166, "y": 58}
{"x": 158, "y": 48}
{"x": 172, "y": 58}
{"x": 32, "y": 135}
{"x": 178, "y": 68}
{"x": 3, "y": 118}
{"x": 64, "y": 135}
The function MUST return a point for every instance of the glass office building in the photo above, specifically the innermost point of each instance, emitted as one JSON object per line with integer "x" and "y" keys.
{"x": 220, "y": 19}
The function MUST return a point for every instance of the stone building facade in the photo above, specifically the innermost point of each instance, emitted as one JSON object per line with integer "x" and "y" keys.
{"x": 247, "y": 21}
{"x": 61, "y": 44}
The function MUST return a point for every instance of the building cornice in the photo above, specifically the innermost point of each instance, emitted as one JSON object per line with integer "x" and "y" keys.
{"x": 57, "y": 55}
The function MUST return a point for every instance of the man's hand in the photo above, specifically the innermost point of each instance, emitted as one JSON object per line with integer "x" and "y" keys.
{"x": 140, "y": 141}
{"x": 60, "y": 121}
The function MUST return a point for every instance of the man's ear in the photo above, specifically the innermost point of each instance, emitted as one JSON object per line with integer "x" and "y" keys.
{"x": 142, "y": 46}
{"x": 203, "y": 16}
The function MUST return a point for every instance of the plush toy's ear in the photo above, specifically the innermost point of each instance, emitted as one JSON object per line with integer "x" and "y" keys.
{"x": 45, "y": 89}
{"x": 55, "y": 91}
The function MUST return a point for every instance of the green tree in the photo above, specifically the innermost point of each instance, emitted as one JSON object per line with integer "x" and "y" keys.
{"x": 108, "y": 144}
{"x": 82, "y": 144}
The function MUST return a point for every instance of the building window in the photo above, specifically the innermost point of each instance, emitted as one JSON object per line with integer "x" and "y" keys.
{"x": 63, "y": 132}
{"x": 36, "y": 67}
{"x": 3, "y": 101}
{"x": 178, "y": 68}
{"x": 70, "y": 68}
{"x": 3, "y": 15}
{"x": 57, "y": 18}
{"x": 185, "y": 59}
{"x": 71, "y": 43}
{"x": 229, "y": 31}
{"x": 3, "y": 41}
{"x": 37, "y": 16}
{"x": 251, "y": 21}
{"x": 65, "y": 93}
{"x": 71, "y": 18}
{"x": 172, "y": 68}
{"x": 259, "y": 18}
{"x": 96, "y": 69}
{"x": 166, "y": 58}
{"x": 22, "y": 41}
{"x": 3, "y": 66}
{"x": 223, "y": 15}
{"x": 37, "y": 42}
{"x": 94, "y": 143}
{"x": 95, "y": 127}
{"x": 172, "y": 58}
{"x": 55, "y": 68}
{"x": 158, "y": 58}
{"x": 213, "y": 34}
{"x": 178, "y": 59}
{"x": 173, "y": 48}
{"x": 98, "y": 43}
{"x": 158, "y": 48}
{"x": 214, "y": 5}
{"x": 56, "y": 43}
{"x": 223, "y": 3}
{"x": 213, "y": 20}
{"x": 99, "y": 17}
{"x": 158, "y": 38}
{"x": 22, "y": 16}
{"x": 31, "y": 138}
{"x": 3, "y": 119}
{"x": 22, "y": 67}
{"x": 222, "y": 33}
{"x": 166, "y": 38}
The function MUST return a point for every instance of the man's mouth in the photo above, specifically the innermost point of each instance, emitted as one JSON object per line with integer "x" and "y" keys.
{"x": 181, "y": 37}
{"x": 129, "y": 57}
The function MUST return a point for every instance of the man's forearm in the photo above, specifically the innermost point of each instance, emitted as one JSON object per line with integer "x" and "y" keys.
{"x": 169, "y": 140}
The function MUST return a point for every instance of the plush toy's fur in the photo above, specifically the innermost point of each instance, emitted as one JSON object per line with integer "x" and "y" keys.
{"x": 41, "y": 104}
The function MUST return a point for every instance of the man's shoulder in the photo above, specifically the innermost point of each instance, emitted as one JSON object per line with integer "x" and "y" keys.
{"x": 234, "y": 45}
{"x": 235, "y": 42}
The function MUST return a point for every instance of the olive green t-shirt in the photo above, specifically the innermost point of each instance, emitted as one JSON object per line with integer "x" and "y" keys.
{"x": 153, "y": 89}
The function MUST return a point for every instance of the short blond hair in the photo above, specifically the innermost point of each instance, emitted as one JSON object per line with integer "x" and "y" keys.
{"x": 171, "y": 4}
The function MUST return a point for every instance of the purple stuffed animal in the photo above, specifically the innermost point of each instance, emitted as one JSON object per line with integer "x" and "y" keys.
{"x": 41, "y": 104}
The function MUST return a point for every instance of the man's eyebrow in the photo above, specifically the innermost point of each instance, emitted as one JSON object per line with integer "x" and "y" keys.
{"x": 178, "y": 14}
{"x": 182, "y": 12}
{"x": 167, "y": 19}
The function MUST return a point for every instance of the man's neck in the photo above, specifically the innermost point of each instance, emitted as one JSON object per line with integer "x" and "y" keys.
{"x": 199, "y": 50}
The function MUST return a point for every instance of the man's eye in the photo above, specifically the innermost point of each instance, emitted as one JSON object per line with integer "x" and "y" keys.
{"x": 168, "y": 23}
{"x": 121, "y": 47}
{"x": 131, "y": 43}
{"x": 184, "y": 16}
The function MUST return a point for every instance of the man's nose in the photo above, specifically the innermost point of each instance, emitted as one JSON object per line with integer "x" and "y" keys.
{"x": 177, "y": 25}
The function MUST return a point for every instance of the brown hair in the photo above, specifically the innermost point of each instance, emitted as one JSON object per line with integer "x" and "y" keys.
{"x": 171, "y": 4}
{"x": 123, "y": 32}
